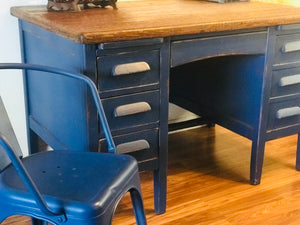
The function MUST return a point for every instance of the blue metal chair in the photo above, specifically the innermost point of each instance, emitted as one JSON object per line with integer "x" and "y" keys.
{"x": 67, "y": 187}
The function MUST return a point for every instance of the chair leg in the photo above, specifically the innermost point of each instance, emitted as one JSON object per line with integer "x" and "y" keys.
{"x": 257, "y": 158}
{"x": 298, "y": 154}
{"x": 138, "y": 207}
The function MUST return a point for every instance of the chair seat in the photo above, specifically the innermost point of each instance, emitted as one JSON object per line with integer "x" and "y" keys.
{"x": 63, "y": 181}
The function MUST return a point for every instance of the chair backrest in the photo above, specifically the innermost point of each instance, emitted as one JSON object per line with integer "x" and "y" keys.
{"x": 7, "y": 130}
{"x": 61, "y": 106}
{"x": 34, "y": 74}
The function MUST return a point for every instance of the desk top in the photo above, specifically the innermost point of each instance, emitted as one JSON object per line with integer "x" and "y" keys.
{"x": 153, "y": 18}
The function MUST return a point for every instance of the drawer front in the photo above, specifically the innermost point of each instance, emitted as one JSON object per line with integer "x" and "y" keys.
{"x": 142, "y": 145}
{"x": 128, "y": 70}
{"x": 287, "y": 48}
{"x": 186, "y": 51}
{"x": 284, "y": 114}
{"x": 132, "y": 110}
{"x": 285, "y": 82}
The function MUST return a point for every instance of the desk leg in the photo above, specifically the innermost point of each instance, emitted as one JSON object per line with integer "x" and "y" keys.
{"x": 160, "y": 174}
{"x": 257, "y": 158}
{"x": 160, "y": 190}
{"x": 298, "y": 154}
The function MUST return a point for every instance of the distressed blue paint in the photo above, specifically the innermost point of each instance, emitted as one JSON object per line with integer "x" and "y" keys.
{"x": 226, "y": 76}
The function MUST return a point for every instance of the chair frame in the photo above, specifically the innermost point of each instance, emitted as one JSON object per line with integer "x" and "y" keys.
{"x": 59, "y": 217}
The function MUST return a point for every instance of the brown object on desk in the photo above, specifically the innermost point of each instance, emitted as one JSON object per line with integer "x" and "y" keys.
{"x": 65, "y": 5}
{"x": 147, "y": 19}
{"x": 227, "y": 1}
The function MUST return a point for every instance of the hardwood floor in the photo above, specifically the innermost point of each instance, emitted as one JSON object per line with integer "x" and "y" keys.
{"x": 208, "y": 183}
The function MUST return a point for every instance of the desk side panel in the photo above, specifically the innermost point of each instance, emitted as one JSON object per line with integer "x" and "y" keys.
{"x": 69, "y": 118}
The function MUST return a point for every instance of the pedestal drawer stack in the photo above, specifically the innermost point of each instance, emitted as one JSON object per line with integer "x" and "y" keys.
{"x": 128, "y": 82}
{"x": 284, "y": 110}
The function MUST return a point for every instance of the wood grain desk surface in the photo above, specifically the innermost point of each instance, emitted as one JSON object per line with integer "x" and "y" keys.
{"x": 153, "y": 18}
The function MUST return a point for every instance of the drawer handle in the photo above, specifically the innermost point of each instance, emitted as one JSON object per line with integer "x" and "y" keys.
{"x": 129, "y": 68}
{"x": 288, "y": 27}
{"x": 130, "y": 109}
{"x": 291, "y": 47}
{"x": 132, "y": 146}
{"x": 289, "y": 80}
{"x": 287, "y": 112}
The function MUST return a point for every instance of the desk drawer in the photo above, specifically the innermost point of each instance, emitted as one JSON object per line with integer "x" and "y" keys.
{"x": 132, "y": 110}
{"x": 186, "y": 51}
{"x": 142, "y": 145}
{"x": 285, "y": 82}
{"x": 284, "y": 114}
{"x": 287, "y": 48}
{"x": 128, "y": 70}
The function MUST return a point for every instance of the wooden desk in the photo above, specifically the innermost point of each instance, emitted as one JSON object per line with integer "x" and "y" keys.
{"x": 236, "y": 63}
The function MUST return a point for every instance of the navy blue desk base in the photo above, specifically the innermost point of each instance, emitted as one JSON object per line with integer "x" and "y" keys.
{"x": 225, "y": 76}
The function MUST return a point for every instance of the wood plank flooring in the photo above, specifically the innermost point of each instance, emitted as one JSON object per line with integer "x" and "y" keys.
{"x": 208, "y": 183}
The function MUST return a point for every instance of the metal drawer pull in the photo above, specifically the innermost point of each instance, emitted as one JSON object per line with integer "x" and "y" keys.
{"x": 291, "y": 47}
{"x": 128, "y": 68}
{"x": 287, "y": 112}
{"x": 130, "y": 109}
{"x": 289, "y": 80}
{"x": 132, "y": 146}
{"x": 288, "y": 27}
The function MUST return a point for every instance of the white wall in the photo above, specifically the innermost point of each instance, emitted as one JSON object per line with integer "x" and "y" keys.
{"x": 11, "y": 87}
